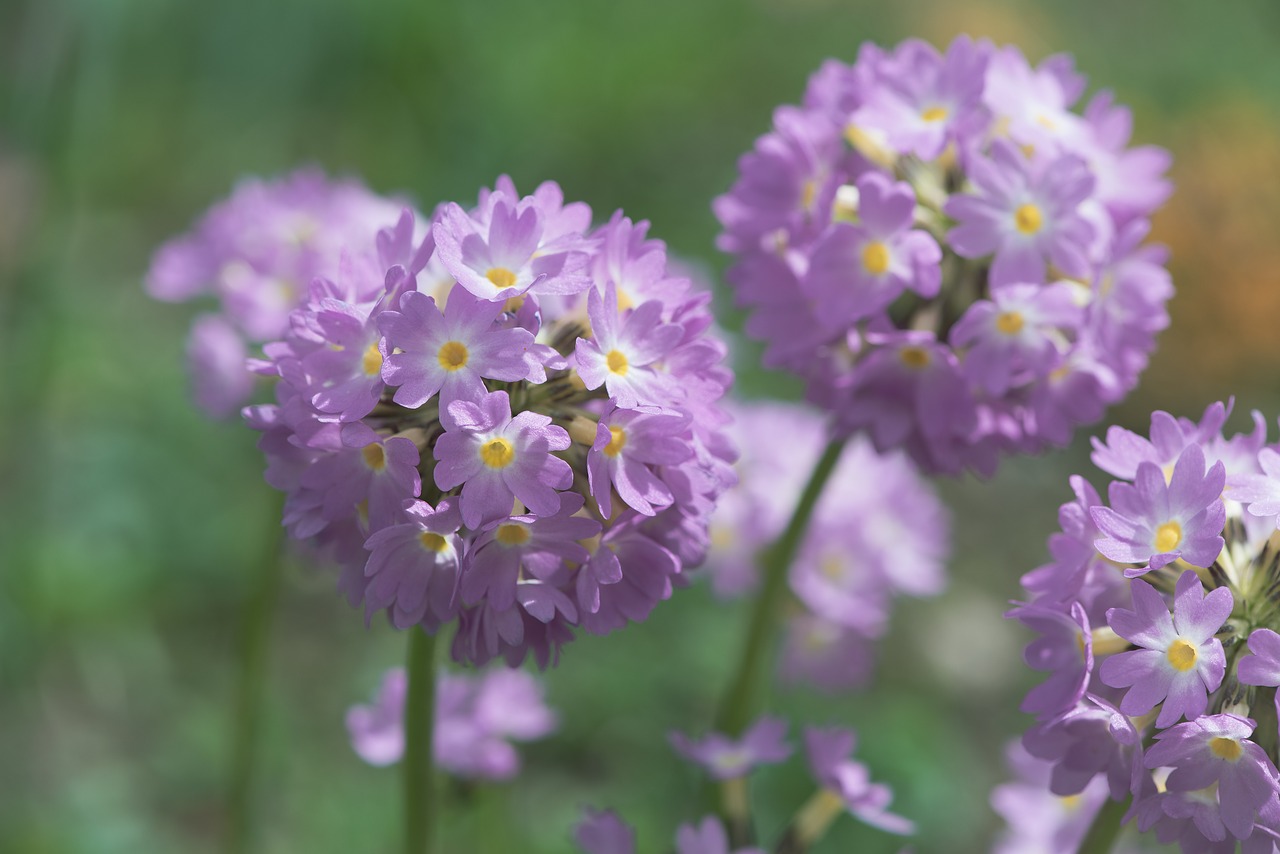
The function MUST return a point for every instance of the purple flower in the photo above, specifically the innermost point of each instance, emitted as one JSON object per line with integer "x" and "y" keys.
{"x": 475, "y": 717}
{"x": 1217, "y": 749}
{"x": 603, "y": 832}
{"x": 377, "y": 730}
{"x": 621, "y": 351}
{"x": 1262, "y": 665}
{"x": 1016, "y": 336}
{"x": 925, "y": 100}
{"x": 539, "y": 545}
{"x": 1153, "y": 523}
{"x": 849, "y": 781}
{"x": 216, "y": 356}
{"x": 449, "y": 354}
{"x": 1025, "y": 215}
{"x": 1180, "y": 660}
{"x": 1038, "y": 820}
{"x": 483, "y": 395}
{"x": 708, "y": 837}
{"x": 378, "y": 473}
{"x": 858, "y": 270}
{"x": 497, "y": 458}
{"x": 1065, "y": 649}
{"x": 1260, "y": 492}
{"x": 965, "y": 172}
{"x": 725, "y": 758}
{"x": 628, "y": 444}
{"x": 412, "y": 568}
{"x": 505, "y": 256}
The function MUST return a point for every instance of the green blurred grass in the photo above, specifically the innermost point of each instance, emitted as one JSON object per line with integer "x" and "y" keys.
{"x": 128, "y": 524}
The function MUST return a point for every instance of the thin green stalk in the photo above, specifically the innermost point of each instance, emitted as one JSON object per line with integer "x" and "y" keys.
{"x": 739, "y": 703}
{"x": 255, "y": 633}
{"x": 419, "y": 725}
{"x": 1105, "y": 828}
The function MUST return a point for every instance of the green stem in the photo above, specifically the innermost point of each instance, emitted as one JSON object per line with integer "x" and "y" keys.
{"x": 419, "y": 726}
{"x": 738, "y": 705}
{"x": 1105, "y": 828}
{"x": 255, "y": 633}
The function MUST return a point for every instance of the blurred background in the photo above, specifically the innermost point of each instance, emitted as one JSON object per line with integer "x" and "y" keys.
{"x": 130, "y": 526}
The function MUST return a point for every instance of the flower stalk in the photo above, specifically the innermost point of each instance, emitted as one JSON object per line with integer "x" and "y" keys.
{"x": 419, "y": 724}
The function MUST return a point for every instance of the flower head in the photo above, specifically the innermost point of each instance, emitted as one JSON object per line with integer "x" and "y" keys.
{"x": 951, "y": 208}
{"x": 522, "y": 452}
{"x": 1160, "y": 710}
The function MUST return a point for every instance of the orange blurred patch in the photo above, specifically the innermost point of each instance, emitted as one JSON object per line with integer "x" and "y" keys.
{"x": 1221, "y": 225}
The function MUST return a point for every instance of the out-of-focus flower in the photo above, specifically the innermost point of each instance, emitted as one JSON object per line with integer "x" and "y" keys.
{"x": 878, "y": 532}
{"x": 256, "y": 253}
{"x": 476, "y": 719}
{"x": 947, "y": 253}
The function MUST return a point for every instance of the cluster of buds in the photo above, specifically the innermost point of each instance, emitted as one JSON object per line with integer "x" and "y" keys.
{"x": 844, "y": 785}
{"x": 877, "y": 532}
{"x": 477, "y": 717}
{"x": 1157, "y": 623}
{"x": 948, "y": 255}
{"x": 506, "y": 420}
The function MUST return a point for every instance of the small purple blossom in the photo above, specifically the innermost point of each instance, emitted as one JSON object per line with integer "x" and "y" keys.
{"x": 707, "y": 837}
{"x": 1217, "y": 749}
{"x": 724, "y": 758}
{"x": 450, "y": 354}
{"x": 603, "y": 832}
{"x": 498, "y": 458}
{"x": 622, "y": 350}
{"x": 1180, "y": 660}
{"x": 1022, "y": 333}
{"x": 858, "y": 270}
{"x": 1025, "y": 215}
{"x": 828, "y": 754}
{"x": 476, "y": 718}
{"x": 1153, "y": 523}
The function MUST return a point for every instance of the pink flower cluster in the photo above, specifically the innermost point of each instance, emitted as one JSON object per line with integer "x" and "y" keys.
{"x": 502, "y": 417}
{"x": 949, "y": 255}
{"x": 1156, "y": 621}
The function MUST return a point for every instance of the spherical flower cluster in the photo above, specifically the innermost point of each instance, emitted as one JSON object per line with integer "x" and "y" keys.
{"x": 510, "y": 422}
{"x": 476, "y": 719}
{"x": 948, "y": 255}
{"x": 878, "y": 531}
{"x": 1156, "y": 622}
{"x": 255, "y": 253}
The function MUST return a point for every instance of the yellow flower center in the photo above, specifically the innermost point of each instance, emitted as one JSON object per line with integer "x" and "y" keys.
{"x": 513, "y": 304}
{"x": 1182, "y": 655}
{"x": 453, "y": 355}
{"x": 617, "y": 441}
{"x": 1168, "y": 536}
{"x": 1226, "y": 748}
{"x": 934, "y": 114}
{"x": 875, "y": 258}
{"x": 1010, "y": 322}
{"x": 617, "y": 362}
{"x": 501, "y": 277}
{"x": 372, "y": 360}
{"x": 433, "y": 542}
{"x": 914, "y": 357}
{"x": 374, "y": 457}
{"x": 512, "y": 534}
{"x": 497, "y": 453}
{"x": 1028, "y": 218}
